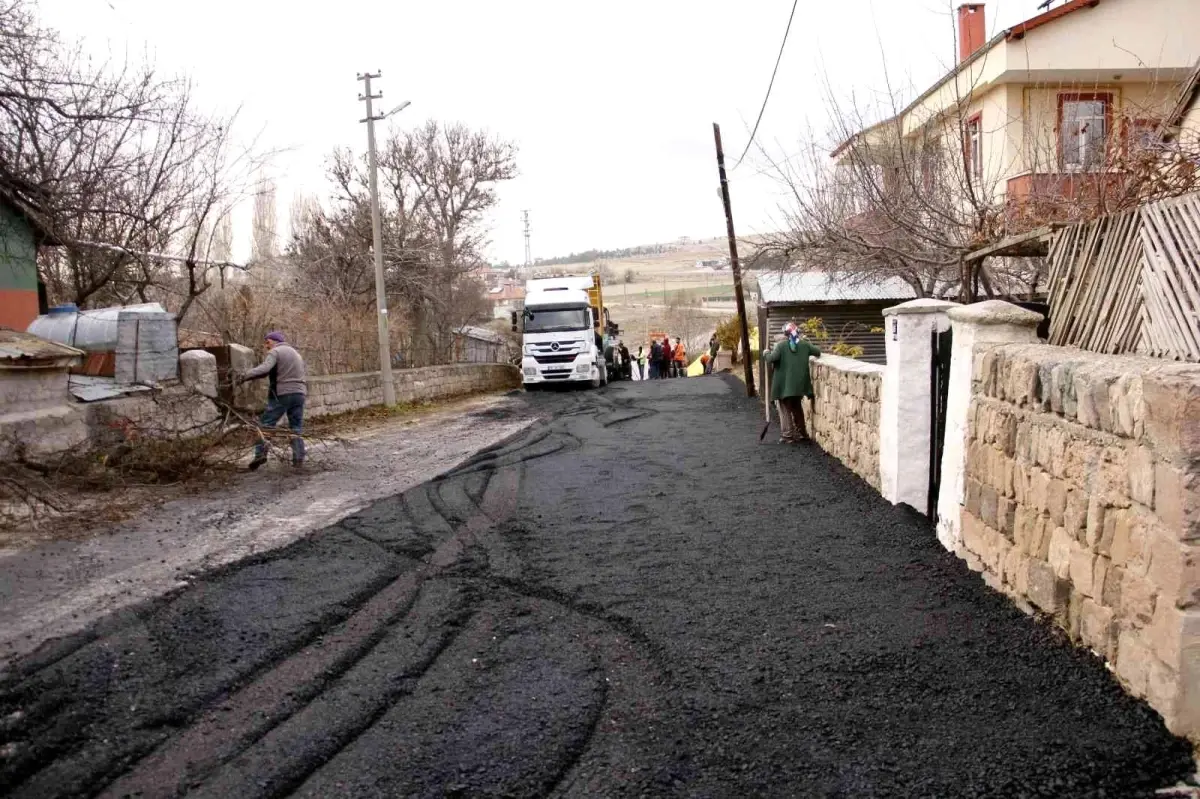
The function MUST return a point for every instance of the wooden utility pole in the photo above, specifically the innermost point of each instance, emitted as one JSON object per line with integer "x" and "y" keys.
{"x": 736, "y": 266}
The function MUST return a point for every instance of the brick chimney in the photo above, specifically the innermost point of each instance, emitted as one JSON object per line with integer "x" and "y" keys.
{"x": 972, "y": 30}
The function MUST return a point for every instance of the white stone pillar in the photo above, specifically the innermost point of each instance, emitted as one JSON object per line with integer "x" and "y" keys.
{"x": 990, "y": 322}
{"x": 904, "y": 414}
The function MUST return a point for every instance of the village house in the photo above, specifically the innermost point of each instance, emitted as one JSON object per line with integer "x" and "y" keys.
{"x": 1050, "y": 110}
{"x": 22, "y": 297}
{"x": 505, "y": 299}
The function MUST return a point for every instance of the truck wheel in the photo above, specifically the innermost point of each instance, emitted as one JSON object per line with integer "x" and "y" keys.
{"x": 596, "y": 379}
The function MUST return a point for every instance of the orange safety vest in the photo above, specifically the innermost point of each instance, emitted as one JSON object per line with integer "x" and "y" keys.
{"x": 680, "y": 352}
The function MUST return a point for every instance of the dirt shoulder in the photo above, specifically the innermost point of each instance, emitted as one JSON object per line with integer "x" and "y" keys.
{"x": 53, "y": 588}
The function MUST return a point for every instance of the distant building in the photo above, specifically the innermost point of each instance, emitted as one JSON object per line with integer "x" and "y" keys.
{"x": 505, "y": 299}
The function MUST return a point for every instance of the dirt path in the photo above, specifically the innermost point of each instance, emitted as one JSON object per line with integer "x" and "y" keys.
{"x": 60, "y": 587}
{"x": 631, "y": 598}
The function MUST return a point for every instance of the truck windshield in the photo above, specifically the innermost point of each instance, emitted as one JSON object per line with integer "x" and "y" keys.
{"x": 550, "y": 320}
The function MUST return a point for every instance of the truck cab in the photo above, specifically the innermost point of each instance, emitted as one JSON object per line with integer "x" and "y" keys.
{"x": 559, "y": 334}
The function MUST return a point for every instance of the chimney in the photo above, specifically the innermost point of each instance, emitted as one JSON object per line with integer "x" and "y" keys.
{"x": 972, "y": 30}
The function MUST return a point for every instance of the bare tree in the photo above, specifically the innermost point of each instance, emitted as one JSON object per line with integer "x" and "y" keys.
{"x": 120, "y": 164}
{"x": 436, "y": 185}
{"x": 264, "y": 236}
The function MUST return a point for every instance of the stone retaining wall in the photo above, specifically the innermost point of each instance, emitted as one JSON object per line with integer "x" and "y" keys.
{"x": 844, "y": 419}
{"x": 332, "y": 394}
{"x": 1082, "y": 500}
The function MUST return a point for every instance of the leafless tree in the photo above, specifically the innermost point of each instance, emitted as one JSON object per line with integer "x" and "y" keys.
{"x": 436, "y": 185}
{"x": 119, "y": 163}
{"x": 264, "y": 236}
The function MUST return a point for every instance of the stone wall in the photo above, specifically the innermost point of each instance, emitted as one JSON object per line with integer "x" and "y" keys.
{"x": 844, "y": 419}
{"x": 1082, "y": 500}
{"x": 334, "y": 394}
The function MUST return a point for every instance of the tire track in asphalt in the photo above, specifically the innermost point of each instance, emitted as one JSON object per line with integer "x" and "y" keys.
{"x": 298, "y": 684}
{"x": 265, "y": 729}
{"x": 122, "y": 695}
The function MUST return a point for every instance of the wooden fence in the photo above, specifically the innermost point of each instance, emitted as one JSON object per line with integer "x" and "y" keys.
{"x": 1130, "y": 282}
{"x": 1171, "y": 278}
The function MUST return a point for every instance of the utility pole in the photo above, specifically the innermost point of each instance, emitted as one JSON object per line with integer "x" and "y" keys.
{"x": 528, "y": 250}
{"x": 733, "y": 262}
{"x": 385, "y": 349}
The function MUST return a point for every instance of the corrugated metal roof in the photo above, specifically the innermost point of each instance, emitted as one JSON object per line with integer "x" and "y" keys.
{"x": 775, "y": 288}
{"x": 17, "y": 346}
{"x": 91, "y": 389}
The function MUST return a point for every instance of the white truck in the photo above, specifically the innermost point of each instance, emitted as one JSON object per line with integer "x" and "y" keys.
{"x": 560, "y": 340}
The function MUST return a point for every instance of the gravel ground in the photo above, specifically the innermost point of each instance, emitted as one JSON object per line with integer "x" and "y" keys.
{"x": 60, "y": 587}
{"x": 632, "y": 598}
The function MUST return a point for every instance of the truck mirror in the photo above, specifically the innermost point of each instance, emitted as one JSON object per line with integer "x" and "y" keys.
{"x": 514, "y": 321}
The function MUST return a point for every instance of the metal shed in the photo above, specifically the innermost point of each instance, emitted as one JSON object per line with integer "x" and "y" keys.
{"x": 477, "y": 345}
{"x": 849, "y": 308}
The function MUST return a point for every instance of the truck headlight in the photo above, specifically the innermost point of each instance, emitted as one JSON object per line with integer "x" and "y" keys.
{"x": 583, "y": 367}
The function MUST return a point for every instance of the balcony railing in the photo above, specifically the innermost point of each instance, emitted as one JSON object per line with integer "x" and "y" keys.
{"x": 1036, "y": 198}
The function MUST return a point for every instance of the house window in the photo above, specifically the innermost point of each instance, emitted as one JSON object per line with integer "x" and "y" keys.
{"x": 929, "y": 165}
{"x": 1083, "y": 123}
{"x": 1141, "y": 135}
{"x": 973, "y": 145}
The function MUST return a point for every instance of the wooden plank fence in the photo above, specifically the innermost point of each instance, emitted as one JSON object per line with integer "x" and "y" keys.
{"x": 1130, "y": 282}
{"x": 1095, "y": 274}
{"x": 1171, "y": 278}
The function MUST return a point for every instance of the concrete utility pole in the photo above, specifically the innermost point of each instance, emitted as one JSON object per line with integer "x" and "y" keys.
{"x": 733, "y": 262}
{"x": 528, "y": 251}
{"x": 385, "y": 348}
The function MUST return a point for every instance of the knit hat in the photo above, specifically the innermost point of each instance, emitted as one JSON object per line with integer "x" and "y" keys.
{"x": 276, "y": 336}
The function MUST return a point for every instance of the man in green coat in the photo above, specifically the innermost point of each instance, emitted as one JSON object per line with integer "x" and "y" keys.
{"x": 791, "y": 382}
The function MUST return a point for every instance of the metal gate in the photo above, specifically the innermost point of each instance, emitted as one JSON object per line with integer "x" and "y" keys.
{"x": 939, "y": 385}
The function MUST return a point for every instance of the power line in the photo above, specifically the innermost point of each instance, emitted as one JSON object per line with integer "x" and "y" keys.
{"x": 775, "y": 71}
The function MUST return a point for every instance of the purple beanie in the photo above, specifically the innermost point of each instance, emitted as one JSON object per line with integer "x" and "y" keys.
{"x": 276, "y": 336}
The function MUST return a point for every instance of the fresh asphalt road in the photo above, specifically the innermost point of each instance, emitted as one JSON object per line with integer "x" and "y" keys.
{"x": 632, "y": 598}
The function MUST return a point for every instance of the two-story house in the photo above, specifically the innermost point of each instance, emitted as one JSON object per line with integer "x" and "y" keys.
{"x": 1049, "y": 113}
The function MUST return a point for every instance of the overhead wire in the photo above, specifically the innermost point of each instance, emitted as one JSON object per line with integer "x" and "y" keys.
{"x": 770, "y": 85}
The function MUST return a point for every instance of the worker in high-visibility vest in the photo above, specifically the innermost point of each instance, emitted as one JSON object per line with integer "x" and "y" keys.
{"x": 680, "y": 369}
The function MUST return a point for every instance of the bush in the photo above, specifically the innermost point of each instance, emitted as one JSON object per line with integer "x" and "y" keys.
{"x": 729, "y": 336}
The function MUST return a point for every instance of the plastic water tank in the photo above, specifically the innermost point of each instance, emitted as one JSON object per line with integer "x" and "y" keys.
{"x": 91, "y": 331}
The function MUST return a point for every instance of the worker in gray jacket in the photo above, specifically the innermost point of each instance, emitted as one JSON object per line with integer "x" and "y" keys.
{"x": 284, "y": 368}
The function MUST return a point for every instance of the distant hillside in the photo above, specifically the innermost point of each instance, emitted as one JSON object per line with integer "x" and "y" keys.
{"x": 588, "y": 256}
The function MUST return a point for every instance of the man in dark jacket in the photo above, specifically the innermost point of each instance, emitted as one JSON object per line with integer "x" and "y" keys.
{"x": 655, "y": 358}
{"x": 791, "y": 382}
{"x": 288, "y": 386}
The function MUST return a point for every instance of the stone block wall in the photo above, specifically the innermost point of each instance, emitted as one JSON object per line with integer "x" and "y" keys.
{"x": 1083, "y": 501}
{"x": 334, "y": 394}
{"x": 844, "y": 418}
{"x": 36, "y": 414}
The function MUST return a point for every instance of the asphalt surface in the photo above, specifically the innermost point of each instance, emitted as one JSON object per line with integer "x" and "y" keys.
{"x": 631, "y": 598}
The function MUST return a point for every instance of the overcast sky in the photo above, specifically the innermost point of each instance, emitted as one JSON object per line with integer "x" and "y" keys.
{"x": 611, "y": 104}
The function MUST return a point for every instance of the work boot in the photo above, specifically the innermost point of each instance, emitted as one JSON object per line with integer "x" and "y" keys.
{"x": 259, "y": 460}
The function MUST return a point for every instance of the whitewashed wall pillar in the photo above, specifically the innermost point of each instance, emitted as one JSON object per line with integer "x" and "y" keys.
{"x": 904, "y": 414}
{"x": 991, "y": 322}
